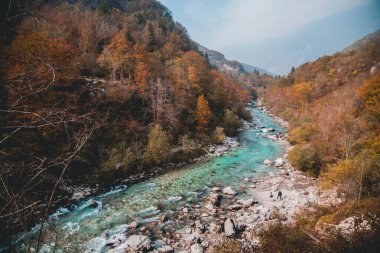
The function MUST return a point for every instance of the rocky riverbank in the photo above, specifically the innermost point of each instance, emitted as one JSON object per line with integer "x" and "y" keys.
{"x": 227, "y": 212}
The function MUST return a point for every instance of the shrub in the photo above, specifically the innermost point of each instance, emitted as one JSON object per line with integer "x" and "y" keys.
{"x": 303, "y": 133}
{"x": 158, "y": 148}
{"x": 305, "y": 158}
{"x": 219, "y": 135}
{"x": 283, "y": 238}
{"x": 245, "y": 114}
{"x": 231, "y": 122}
{"x": 228, "y": 246}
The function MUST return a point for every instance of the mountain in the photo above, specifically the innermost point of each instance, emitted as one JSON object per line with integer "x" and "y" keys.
{"x": 365, "y": 41}
{"x": 333, "y": 107}
{"x": 219, "y": 61}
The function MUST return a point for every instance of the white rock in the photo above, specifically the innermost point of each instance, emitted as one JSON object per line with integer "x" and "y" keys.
{"x": 229, "y": 227}
{"x": 196, "y": 248}
{"x": 229, "y": 191}
{"x": 215, "y": 189}
{"x": 166, "y": 249}
{"x": 209, "y": 206}
{"x": 138, "y": 243}
{"x": 279, "y": 162}
{"x": 267, "y": 162}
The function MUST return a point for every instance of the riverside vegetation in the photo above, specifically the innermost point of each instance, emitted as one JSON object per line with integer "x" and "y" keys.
{"x": 94, "y": 91}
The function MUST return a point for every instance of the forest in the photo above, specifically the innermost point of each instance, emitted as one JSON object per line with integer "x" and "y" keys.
{"x": 93, "y": 91}
{"x": 332, "y": 105}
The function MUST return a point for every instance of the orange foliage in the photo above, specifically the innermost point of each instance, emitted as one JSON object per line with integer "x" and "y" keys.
{"x": 203, "y": 114}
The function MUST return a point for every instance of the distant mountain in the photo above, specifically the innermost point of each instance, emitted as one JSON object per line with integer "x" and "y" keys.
{"x": 373, "y": 38}
{"x": 218, "y": 60}
{"x": 250, "y": 69}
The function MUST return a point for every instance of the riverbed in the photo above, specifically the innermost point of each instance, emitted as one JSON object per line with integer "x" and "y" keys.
{"x": 87, "y": 226}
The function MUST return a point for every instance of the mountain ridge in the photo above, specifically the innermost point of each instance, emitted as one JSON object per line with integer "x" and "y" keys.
{"x": 219, "y": 61}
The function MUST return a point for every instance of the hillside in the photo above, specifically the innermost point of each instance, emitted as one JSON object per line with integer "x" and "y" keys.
{"x": 332, "y": 105}
{"x": 96, "y": 91}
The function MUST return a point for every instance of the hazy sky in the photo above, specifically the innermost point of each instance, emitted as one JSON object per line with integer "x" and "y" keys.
{"x": 276, "y": 34}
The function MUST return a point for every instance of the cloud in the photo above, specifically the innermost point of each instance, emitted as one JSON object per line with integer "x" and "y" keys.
{"x": 246, "y": 22}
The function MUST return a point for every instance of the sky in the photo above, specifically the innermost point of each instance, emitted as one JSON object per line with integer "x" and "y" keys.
{"x": 276, "y": 34}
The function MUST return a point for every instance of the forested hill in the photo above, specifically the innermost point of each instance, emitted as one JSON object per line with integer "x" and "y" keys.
{"x": 101, "y": 89}
{"x": 333, "y": 106}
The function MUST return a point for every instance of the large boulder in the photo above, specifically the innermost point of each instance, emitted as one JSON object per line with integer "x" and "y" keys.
{"x": 229, "y": 228}
{"x": 138, "y": 243}
{"x": 267, "y": 162}
{"x": 279, "y": 162}
{"x": 229, "y": 191}
{"x": 196, "y": 248}
{"x": 166, "y": 249}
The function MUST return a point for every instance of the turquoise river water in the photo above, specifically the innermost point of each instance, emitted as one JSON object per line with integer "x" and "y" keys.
{"x": 85, "y": 229}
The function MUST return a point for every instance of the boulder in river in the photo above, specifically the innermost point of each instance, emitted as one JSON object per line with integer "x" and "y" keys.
{"x": 279, "y": 162}
{"x": 215, "y": 189}
{"x": 267, "y": 162}
{"x": 229, "y": 191}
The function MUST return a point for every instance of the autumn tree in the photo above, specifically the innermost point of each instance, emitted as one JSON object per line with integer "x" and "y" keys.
{"x": 93, "y": 29}
{"x": 203, "y": 114}
{"x": 116, "y": 55}
{"x": 162, "y": 105}
{"x": 158, "y": 148}
{"x": 370, "y": 96}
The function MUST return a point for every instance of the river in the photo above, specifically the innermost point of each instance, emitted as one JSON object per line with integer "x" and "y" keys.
{"x": 83, "y": 228}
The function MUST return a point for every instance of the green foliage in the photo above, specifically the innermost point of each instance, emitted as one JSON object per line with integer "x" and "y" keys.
{"x": 105, "y": 6}
{"x": 158, "y": 148}
{"x": 231, "y": 122}
{"x": 306, "y": 159}
{"x": 245, "y": 114}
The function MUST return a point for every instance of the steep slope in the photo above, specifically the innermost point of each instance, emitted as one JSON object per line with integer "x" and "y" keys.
{"x": 99, "y": 90}
{"x": 333, "y": 106}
